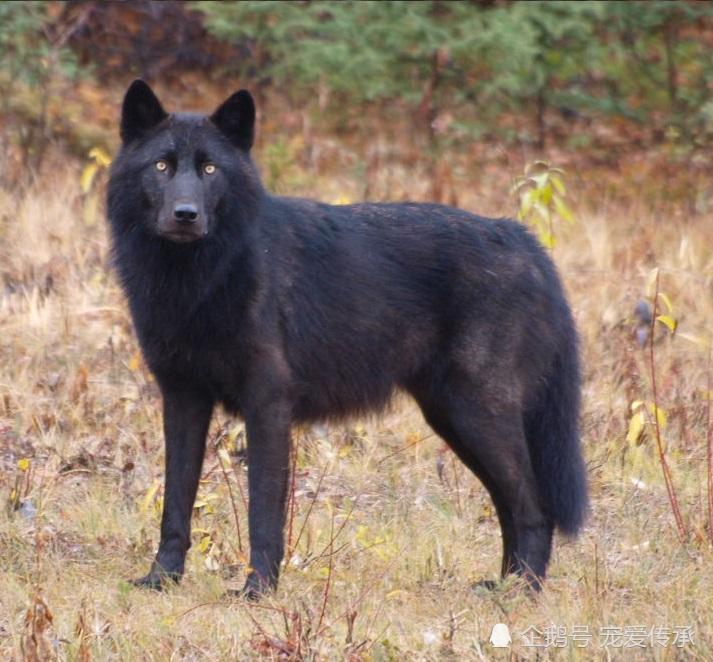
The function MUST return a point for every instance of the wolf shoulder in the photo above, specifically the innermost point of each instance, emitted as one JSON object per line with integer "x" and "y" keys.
{"x": 426, "y": 235}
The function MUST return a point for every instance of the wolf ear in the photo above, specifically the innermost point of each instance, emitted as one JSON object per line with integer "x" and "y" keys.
{"x": 236, "y": 119}
{"x": 140, "y": 112}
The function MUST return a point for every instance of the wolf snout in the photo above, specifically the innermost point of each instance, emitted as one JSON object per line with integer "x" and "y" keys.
{"x": 183, "y": 222}
{"x": 185, "y": 214}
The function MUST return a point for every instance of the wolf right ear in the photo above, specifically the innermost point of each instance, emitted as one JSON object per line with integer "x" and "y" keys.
{"x": 236, "y": 119}
{"x": 140, "y": 112}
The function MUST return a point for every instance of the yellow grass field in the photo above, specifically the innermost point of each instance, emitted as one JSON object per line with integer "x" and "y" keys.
{"x": 388, "y": 530}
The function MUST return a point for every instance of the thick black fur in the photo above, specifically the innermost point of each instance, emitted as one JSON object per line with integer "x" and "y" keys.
{"x": 288, "y": 310}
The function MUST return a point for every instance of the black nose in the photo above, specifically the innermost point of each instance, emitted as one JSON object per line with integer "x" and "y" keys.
{"x": 186, "y": 213}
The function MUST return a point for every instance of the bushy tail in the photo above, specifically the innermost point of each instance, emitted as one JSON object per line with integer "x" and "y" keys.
{"x": 552, "y": 431}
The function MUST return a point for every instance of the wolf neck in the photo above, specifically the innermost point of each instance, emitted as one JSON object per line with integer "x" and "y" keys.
{"x": 177, "y": 282}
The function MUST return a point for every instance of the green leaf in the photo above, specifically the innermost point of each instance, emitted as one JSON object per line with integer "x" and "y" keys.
{"x": 557, "y": 183}
{"x": 540, "y": 180}
{"x": 543, "y": 211}
{"x": 526, "y": 203}
{"x": 546, "y": 194}
{"x": 547, "y": 239}
{"x": 563, "y": 211}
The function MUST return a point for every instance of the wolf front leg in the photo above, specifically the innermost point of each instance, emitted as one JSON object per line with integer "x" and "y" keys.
{"x": 268, "y": 433}
{"x": 186, "y": 416}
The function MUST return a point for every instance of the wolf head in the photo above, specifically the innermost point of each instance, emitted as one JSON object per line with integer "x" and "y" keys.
{"x": 176, "y": 173}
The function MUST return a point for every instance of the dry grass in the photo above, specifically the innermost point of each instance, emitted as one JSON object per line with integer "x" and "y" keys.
{"x": 388, "y": 544}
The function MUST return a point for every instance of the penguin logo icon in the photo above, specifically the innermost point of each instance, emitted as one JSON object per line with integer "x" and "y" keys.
{"x": 500, "y": 636}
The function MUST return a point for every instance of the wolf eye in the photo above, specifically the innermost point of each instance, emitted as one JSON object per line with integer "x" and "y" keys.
{"x": 161, "y": 166}
{"x": 209, "y": 168}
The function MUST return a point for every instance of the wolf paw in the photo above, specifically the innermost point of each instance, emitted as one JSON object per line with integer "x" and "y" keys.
{"x": 255, "y": 587}
{"x": 157, "y": 579}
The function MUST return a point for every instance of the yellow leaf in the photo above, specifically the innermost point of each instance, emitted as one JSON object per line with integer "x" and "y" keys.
{"x": 134, "y": 362}
{"x": 547, "y": 239}
{"x": 23, "y": 464}
{"x": 659, "y": 413}
{"x": 362, "y": 536}
{"x": 636, "y": 427}
{"x": 149, "y": 496}
{"x": 651, "y": 281}
{"x": 697, "y": 340}
{"x": 87, "y": 177}
{"x": 668, "y": 321}
{"x": 412, "y": 437}
{"x": 667, "y": 302}
{"x": 546, "y": 194}
{"x": 90, "y": 210}
{"x": 101, "y": 158}
{"x": 203, "y": 545}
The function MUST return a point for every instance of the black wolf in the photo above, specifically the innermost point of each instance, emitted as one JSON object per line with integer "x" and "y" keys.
{"x": 288, "y": 310}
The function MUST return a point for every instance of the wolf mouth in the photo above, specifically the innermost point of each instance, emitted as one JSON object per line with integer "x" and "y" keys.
{"x": 182, "y": 237}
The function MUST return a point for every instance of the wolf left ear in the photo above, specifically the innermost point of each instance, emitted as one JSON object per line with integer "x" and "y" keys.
{"x": 140, "y": 112}
{"x": 236, "y": 119}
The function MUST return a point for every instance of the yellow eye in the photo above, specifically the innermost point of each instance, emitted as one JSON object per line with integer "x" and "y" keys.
{"x": 209, "y": 168}
{"x": 161, "y": 166}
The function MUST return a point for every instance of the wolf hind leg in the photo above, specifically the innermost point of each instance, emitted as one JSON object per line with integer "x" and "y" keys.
{"x": 492, "y": 445}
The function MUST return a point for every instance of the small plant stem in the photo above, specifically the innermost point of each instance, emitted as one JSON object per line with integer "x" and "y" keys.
{"x": 709, "y": 449}
{"x": 673, "y": 500}
{"x": 293, "y": 479}
{"x": 291, "y": 548}
{"x": 328, "y": 583}
{"x": 230, "y": 493}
